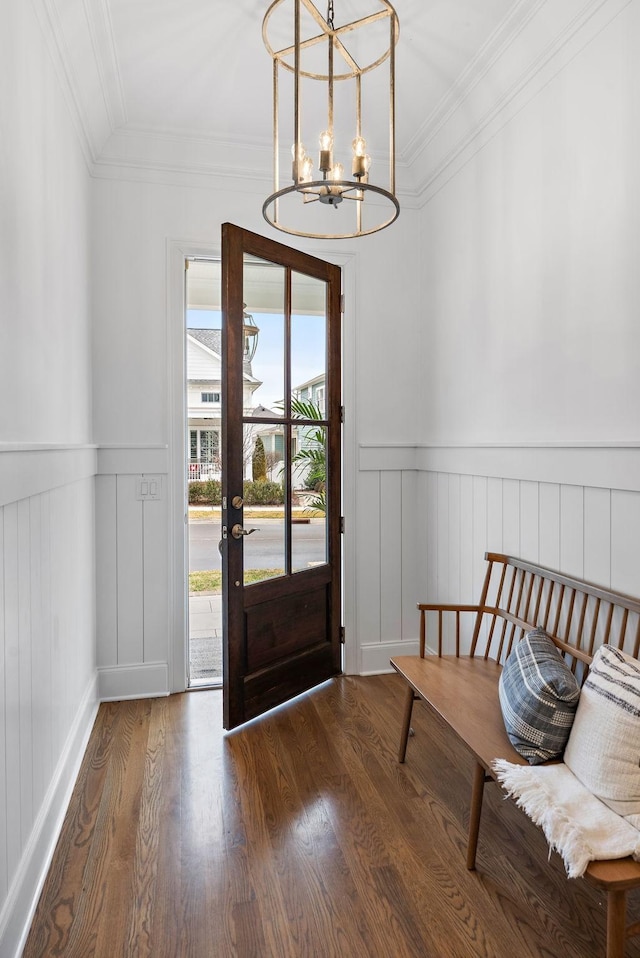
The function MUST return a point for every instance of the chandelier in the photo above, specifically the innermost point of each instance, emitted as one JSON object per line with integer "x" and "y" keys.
{"x": 323, "y": 75}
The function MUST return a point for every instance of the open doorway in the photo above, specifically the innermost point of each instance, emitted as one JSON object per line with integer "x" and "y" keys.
{"x": 203, "y": 469}
{"x": 263, "y": 438}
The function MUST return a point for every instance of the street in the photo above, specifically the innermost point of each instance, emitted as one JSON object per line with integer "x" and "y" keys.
{"x": 264, "y": 549}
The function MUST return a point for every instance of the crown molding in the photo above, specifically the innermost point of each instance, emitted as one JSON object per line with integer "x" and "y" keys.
{"x": 53, "y": 37}
{"x": 173, "y": 158}
{"x": 103, "y": 41}
{"x": 502, "y": 81}
{"x": 535, "y": 42}
{"x": 487, "y": 56}
{"x": 79, "y": 40}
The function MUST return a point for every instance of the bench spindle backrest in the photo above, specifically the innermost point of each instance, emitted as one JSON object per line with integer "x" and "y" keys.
{"x": 518, "y": 596}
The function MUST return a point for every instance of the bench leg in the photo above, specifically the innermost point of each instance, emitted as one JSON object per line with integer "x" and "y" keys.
{"x": 406, "y": 723}
{"x": 616, "y": 923}
{"x": 477, "y": 791}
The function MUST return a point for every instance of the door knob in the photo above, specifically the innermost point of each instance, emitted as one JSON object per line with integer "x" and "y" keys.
{"x": 238, "y": 532}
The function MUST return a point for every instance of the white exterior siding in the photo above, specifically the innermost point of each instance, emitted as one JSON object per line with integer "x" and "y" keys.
{"x": 202, "y": 363}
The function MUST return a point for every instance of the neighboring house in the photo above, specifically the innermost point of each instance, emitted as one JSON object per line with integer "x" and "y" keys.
{"x": 204, "y": 400}
{"x": 313, "y": 390}
{"x": 273, "y": 441}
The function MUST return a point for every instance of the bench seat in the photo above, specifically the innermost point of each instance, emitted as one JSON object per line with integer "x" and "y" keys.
{"x": 464, "y": 692}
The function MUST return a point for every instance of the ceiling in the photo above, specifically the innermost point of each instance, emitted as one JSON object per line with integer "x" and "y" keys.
{"x": 178, "y": 85}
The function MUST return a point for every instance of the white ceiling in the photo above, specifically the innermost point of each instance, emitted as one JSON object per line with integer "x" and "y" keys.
{"x": 171, "y": 84}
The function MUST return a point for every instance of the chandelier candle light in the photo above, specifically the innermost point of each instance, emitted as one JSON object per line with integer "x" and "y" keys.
{"x": 328, "y": 65}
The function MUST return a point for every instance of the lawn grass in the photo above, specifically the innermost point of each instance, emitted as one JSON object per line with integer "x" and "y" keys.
{"x": 211, "y": 580}
{"x": 255, "y": 512}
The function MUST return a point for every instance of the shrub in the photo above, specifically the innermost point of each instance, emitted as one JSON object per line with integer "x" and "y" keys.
{"x": 205, "y": 493}
{"x": 259, "y": 462}
{"x": 262, "y": 493}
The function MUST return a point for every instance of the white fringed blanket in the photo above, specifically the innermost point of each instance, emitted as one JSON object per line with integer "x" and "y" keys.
{"x": 575, "y": 823}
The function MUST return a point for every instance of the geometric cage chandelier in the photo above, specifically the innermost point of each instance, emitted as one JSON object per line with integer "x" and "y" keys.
{"x": 334, "y": 86}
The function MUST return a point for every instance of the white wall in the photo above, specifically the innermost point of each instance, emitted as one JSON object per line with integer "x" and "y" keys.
{"x": 498, "y": 320}
{"x": 529, "y": 261}
{"x": 47, "y": 586}
{"x": 529, "y": 439}
{"x": 141, "y": 231}
{"x": 490, "y": 388}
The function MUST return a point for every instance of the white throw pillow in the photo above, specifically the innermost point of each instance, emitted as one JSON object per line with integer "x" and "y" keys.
{"x": 603, "y": 750}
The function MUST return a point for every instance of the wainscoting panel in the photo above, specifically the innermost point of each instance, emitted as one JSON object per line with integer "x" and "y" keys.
{"x": 368, "y": 558}
{"x": 625, "y": 542}
{"x": 391, "y": 542}
{"x": 549, "y": 524}
{"x": 48, "y": 695}
{"x": 590, "y": 531}
{"x": 132, "y": 576}
{"x": 130, "y": 572}
{"x": 386, "y": 568}
{"x": 409, "y": 532}
{"x": 155, "y": 558}
{"x": 106, "y": 571}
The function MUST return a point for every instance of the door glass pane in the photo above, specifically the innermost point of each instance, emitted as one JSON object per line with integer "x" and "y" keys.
{"x": 263, "y": 549}
{"x": 308, "y": 344}
{"x": 308, "y": 498}
{"x": 308, "y": 441}
{"x": 264, "y": 338}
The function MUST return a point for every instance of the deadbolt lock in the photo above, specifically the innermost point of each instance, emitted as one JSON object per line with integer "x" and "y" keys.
{"x": 237, "y": 502}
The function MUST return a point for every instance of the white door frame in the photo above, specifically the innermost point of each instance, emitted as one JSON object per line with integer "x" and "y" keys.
{"x": 177, "y": 252}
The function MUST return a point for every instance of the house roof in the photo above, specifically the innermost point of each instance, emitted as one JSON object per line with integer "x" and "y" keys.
{"x": 211, "y": 338}
{"x": 265, "y": 413}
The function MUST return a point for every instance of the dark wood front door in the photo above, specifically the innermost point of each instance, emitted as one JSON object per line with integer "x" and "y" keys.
{"x": 281, "y": 500}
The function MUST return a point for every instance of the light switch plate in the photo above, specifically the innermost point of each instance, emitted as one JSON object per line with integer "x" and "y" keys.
{"x": 148, "y": 487}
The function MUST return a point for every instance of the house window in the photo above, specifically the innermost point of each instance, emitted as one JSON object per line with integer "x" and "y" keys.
{"x": 209, "y": 397}
{"x": 208, "y": 445}
{"x": 320, "y": 399}
{"x": 204, "y": 445}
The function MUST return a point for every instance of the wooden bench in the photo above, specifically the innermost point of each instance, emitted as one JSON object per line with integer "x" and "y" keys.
{"x": 462, "y": 687}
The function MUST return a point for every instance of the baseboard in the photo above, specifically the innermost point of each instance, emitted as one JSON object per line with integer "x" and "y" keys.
{"x": 374, "y": 658}
{"x": 146, "y": 680}
{"x": 21, "y": 902}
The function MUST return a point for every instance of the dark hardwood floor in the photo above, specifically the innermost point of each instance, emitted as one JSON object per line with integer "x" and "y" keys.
{"x": 298, "y": 835}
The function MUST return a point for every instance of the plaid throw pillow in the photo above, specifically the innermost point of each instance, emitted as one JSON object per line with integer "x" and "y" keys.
{"x": 538, "y": 696}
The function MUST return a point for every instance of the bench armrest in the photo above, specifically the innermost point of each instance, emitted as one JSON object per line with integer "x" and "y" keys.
{"x": 441, "y": 608}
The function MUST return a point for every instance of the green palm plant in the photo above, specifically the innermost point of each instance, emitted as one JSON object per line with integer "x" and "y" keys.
{"x": 314, "y": 453}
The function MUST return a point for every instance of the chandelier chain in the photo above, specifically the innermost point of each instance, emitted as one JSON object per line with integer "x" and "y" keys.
{"x": 330, "y": 15}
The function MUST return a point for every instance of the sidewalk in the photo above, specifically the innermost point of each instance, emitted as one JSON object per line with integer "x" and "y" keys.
{"x": 205, "y": 616}
{"x": 205, "y": 640}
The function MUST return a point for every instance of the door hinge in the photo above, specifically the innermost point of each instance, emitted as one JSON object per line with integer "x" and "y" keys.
{"x": 342, "y": 635}
{"x": 342, "y": 414}
{"x": 341, "y": 525}
{"x": 342, "y": 302}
